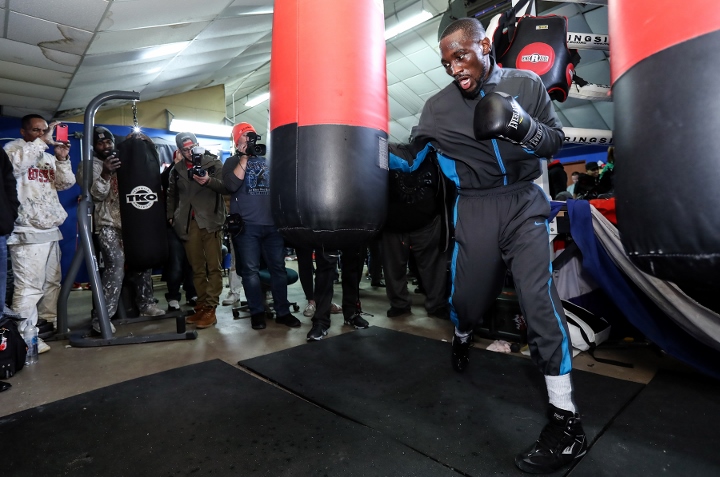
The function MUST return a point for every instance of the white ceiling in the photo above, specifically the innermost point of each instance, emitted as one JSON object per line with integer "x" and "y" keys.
{"x": 56, "y": 56}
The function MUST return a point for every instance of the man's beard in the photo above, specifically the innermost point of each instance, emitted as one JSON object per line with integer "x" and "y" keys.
{"x": 479, "y": 82}
{"x": 470, "y": 94}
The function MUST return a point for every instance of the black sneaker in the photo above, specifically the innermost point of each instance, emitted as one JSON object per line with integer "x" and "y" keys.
{"x": 257, "y": 321}
{"x": 460, "y": 353}
{"x": 357, "y": 321}
{"x": 561, "y": 442}
{"x": 317, "y": 332}
{"x": 395, "y": 312}
{"x": 441, "y": 313}
{"x": 288, "y": 320}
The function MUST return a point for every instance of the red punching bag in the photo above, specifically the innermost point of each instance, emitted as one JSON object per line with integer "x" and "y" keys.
{"x": 665, "y": 67}
{"x": 328, "y": 121}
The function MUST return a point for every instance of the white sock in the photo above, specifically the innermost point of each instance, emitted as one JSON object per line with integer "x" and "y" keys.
{"x": 560, "y": 392}
{"x": 462, "y": 335}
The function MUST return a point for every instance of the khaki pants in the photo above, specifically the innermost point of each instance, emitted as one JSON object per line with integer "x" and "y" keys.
{"x": 204, "y": 252}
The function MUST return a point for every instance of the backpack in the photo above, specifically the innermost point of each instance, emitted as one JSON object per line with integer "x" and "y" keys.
{"x": 588, "y": 331}
{"x": 12, "y": 349}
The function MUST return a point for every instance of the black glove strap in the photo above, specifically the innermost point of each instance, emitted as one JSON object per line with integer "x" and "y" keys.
{"x": 534, "y": 136}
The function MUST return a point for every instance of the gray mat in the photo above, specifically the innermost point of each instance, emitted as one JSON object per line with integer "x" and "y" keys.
{"x": 403, "y": 386}
{"x": 671, "y": 429}
{"x": 204, "y": 419}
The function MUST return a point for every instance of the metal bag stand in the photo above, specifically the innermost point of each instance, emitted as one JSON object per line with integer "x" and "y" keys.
{"x": 87, "y": 252}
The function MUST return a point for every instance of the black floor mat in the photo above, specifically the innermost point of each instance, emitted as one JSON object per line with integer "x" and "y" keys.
{"x": 204, "y": 419}
{"x": 404, "y": 386}
{"x": 670, "y": 429}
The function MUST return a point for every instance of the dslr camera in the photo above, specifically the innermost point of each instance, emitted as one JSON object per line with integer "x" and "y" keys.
{"x": 196, "y": 170}
{"x": 253, "y": 148}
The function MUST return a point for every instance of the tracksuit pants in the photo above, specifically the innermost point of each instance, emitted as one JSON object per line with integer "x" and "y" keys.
{"x": 507, "y": 228}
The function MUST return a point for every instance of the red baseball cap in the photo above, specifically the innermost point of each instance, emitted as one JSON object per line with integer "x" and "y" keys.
{"x": 239, "y": 129}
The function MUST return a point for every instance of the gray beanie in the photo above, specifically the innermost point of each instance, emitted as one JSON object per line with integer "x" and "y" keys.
{"x": 182, "y": 139}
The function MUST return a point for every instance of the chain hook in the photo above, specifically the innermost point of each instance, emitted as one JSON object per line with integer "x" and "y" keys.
{"x": 136, "y": 127}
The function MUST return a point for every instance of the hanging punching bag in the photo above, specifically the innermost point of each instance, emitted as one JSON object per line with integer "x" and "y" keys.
{"x": 665, "y": 67}
{"x": 328, "y": 121}
{"x": 142, "y": 208}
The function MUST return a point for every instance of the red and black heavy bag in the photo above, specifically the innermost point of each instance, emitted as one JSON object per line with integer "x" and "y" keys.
{"x": 142, "y": 207}
{"x": 539, "y": 44}
{"x": 328, "y": 121}
{"x": 667, "y": 164}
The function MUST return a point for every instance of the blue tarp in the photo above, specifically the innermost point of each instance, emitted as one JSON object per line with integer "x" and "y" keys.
{"x": 637, "y": 308}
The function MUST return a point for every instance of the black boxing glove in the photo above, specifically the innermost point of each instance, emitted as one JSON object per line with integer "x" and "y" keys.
{"x": 498, "y": 115}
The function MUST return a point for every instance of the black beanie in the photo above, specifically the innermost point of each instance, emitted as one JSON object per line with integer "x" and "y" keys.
{"x": 591, "y": 166}
{"x": 100, "y": 133}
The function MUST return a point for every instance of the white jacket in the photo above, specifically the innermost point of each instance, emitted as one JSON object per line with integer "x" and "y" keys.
{"x": 39, "y": 177}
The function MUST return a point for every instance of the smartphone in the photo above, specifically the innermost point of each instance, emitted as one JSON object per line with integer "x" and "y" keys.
{"x": 61, "y": 133}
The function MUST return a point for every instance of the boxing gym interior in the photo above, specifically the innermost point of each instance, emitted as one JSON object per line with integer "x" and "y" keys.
{"x": 638, "y": 269}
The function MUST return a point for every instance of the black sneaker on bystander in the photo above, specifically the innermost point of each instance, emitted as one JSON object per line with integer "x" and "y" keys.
{"x": 317, "y": 332}
{"x": 357, "y": 321}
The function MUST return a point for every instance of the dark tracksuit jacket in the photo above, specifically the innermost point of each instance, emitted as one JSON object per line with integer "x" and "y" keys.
{"x": 500, "y": 216}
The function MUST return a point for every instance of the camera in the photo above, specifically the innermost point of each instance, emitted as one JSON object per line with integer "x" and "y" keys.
{"x": 253, "y": 148}
{"x": 197, "y": 155}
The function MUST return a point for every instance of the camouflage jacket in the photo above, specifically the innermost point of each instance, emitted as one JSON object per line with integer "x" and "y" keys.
{"x": 39, "y": 177}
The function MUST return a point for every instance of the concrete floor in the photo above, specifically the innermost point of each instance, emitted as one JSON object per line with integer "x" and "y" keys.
{"x": 67, "y": 371}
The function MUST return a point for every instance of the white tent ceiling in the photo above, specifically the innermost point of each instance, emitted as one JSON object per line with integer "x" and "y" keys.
{"x": 55, "y": 56}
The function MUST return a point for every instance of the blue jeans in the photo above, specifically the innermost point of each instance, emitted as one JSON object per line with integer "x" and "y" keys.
{"x": 3, "y": 271}
{"x": 256, "y": 241}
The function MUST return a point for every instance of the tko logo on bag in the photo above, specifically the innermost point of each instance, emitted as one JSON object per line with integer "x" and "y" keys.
{"x": 537, "y": 57}
{"x": 141, "y": 197}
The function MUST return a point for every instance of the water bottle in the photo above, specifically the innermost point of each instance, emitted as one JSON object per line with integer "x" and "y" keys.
{"x": 30, "y": 335}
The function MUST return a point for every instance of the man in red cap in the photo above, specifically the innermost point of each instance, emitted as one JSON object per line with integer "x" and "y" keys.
{"x": 246, "y": 175}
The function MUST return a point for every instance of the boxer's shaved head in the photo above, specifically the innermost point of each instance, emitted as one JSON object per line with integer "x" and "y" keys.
{"x": 471, "y": 28}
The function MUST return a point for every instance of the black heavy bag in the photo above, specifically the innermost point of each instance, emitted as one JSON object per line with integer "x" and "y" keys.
{"x": 142, "y": 208}
{"x": 539, "y": 44}
{"x": 667, "y": 166}
{"x": 328, "y": 141}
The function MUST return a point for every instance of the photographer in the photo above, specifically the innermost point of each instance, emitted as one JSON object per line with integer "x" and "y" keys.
{"x": 247, "y": 176}
{"x": 108, "y": 227}
{"x": 196, "y": 210}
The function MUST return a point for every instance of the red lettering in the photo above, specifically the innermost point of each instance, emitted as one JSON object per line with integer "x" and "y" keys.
{"x": 41, "y": 175}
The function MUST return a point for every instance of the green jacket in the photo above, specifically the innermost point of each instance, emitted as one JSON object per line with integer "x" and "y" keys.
{"x": 186, "y": 197}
